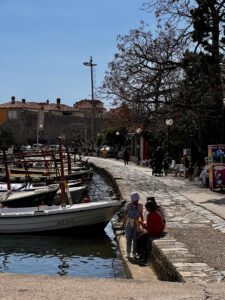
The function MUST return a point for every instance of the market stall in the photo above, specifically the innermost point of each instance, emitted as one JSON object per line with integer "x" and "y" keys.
{"x": 216, "y": 168}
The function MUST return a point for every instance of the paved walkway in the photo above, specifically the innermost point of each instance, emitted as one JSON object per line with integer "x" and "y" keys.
{"x": 195, "y": 215}
{"x": 194, "y": 245}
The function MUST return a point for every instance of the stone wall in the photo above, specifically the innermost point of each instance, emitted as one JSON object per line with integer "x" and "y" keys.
{"x": 162, "y": 265}
{"x": 73, "y": 127}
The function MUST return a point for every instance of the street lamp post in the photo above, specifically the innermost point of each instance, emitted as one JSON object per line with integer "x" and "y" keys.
{"x": 91, "y": 65}
{"x": 117, "y": 144}
{"x": 138, "y": 131}
{"x": 169, "y": 123}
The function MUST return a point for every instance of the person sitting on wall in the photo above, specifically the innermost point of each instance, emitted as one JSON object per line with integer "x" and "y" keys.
{"x": 158, "y": 208}
{"x": 153, "y": 227}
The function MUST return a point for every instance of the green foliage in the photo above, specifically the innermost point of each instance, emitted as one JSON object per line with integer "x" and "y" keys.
{"x": 99, "y": 140}
{"x": 208, "y": 19}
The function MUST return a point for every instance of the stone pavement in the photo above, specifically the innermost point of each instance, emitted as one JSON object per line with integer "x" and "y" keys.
{"x": 193, "y": 248}
{"x": 23, "y": 287}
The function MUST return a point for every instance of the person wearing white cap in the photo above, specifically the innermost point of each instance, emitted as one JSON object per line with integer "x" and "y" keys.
{"x": 132, "y": 214}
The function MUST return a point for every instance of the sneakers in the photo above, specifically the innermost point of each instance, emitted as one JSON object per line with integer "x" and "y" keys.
{"x": 135, "y": 256}
{"x": 129, "y": 255}
{"x": 141, "y": 258}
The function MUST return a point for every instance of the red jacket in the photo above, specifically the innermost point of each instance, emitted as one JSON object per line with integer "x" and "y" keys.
{"x": 154, "y": 224}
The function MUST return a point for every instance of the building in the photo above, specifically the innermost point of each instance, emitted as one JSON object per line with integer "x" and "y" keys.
{"x": 27, "y": 122}
{"x": 89, "y": 105}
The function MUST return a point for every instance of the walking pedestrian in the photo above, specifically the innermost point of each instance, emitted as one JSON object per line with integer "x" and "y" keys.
{"x": 158, "y": 156}
{"x": 126, "y": 156}
{"x": 132, "y": 216}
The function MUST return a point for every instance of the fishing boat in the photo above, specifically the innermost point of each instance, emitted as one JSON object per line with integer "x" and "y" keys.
{"x": 20, "y": 174}
{"x": 74, "y": 194}
{"x": 18, "y": 216}
{"x": 75, "y": 190}
{"x": 28, "y": 196}
{"x": 69, "y": 218}
{"x": 42, "y": 164}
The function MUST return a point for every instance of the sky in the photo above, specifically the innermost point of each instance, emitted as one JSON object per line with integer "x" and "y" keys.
{"x": 44, "y": 44}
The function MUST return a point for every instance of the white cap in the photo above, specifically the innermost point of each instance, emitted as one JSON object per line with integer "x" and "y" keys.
{"x": 134, "y": 197}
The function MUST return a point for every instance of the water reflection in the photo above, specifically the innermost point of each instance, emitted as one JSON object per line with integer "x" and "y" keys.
{"x": 62, "y": 255}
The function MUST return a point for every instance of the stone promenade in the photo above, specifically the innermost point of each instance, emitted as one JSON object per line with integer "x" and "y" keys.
{"x": 193, "y": 249}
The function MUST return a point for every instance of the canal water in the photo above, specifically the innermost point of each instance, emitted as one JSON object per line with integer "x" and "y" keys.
{"x": 94, "y": 256}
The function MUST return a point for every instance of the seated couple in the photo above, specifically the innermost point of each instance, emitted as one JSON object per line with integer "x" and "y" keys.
{"x": 140, "y": 231}
{"x": 151, "y": 228}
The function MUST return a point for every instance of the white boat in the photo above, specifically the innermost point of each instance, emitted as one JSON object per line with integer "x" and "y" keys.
{"x": 57, "y": 218}
{"x": 26, "y": 196}
{"x": 15, "y": 186}
{"x": 19, "y": 174}
{"x": 74, "y": 194}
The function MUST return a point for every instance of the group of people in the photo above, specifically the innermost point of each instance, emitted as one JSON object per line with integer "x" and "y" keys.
{"x": 139, "y": 230}
{"x": 161, "y": 163}
{"x": 192, "y": 171}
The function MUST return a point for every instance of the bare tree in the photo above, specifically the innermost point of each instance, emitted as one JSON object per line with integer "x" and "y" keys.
{"x": 176, "y": 69}
{"x": 145, "y": 69}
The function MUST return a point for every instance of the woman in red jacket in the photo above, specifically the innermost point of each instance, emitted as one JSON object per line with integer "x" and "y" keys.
{"x": 154, "y": 225}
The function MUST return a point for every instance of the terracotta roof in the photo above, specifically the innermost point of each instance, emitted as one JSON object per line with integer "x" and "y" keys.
{"x": 89, "y": 101}
{"x": 37, "y": 106}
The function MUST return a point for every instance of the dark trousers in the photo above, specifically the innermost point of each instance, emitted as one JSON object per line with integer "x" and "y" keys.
{"x": 144, "y": 245}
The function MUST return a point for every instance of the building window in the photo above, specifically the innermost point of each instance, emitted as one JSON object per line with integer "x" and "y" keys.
{"x": 12, "y": 114}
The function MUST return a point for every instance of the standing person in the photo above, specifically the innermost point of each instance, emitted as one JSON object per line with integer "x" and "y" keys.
{"x": 132, "y": 214}
{"x": 166, "y": 164}
{"x": 154, "y": 226}
{"x": 158, "y": 161}
{"x": 126, "y": 156}
{"x": 186, "y": 164}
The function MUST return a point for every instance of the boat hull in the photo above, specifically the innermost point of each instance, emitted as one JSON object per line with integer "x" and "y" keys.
{"x": 75, "y": 194}
{"x": 29, "y": 197}
{"x": 57, "y": 218}
{"x": 19, "y": 175}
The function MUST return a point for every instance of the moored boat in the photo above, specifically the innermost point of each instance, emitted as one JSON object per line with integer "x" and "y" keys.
{"x": 29, "y": 197}
{"x": 73, "y": 218}
{"x": 74, "y": 194}
{"x": 20, "y": 175}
